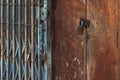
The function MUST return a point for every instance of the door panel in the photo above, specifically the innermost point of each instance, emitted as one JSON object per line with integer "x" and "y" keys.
{"x": 68, "y": 45}
{"x": 102, "y": 46}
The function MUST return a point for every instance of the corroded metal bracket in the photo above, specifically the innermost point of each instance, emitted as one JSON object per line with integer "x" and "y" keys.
{"x": 84, "y": 23}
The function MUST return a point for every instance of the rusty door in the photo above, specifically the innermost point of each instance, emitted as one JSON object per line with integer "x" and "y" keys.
{"x": 68, "y": 47}
{"x": 103, "y": 41}
{"x": 94, "y": 57}
{"x": 25, "y": 51}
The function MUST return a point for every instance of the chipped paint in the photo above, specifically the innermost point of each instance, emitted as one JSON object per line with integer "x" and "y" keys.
{"x": 24, "y": 38}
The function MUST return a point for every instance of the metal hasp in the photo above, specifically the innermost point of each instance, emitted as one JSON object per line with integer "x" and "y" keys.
{"x": 84, "y": 23}
{"x": 25, "y": 40}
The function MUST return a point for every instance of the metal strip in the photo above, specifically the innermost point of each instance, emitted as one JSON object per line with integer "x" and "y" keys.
{"x": 39, "y": 37}
{"x": 19, "y": 42}
{"x": 32, "y": 40}
{"x": 13, "y": 36}
{"x": 25, "y": 55}
{"x": 45, "y": 38}
{"x": 7, "y": 26}
{"x": 1, "y": 25}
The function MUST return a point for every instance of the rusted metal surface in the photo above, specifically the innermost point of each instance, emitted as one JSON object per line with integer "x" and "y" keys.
{"x": 68, "y": 47}
{"x": 118, "y": 39}
{"x": 102, "y": 47}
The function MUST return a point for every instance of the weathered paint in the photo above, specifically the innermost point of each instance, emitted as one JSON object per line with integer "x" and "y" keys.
{"x": 24, "y": 42}
{"x": 68, "y": 45}
{"x": 102, "y": 47}
{"x": 1, "y": 55}
{"x": 118, "y": 39}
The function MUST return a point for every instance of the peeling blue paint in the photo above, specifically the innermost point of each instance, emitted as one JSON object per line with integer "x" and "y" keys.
{"x": 24, "y": 43}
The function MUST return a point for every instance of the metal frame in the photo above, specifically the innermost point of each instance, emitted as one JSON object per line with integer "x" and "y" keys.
{"x": 25, "y": 39}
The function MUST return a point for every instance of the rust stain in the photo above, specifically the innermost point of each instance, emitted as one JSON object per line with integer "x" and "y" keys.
{"x": 67, "y": 42}
{"x": 103, "y": 55}
{"x": 68, "y": 46}
{"x": 119, "y": 40}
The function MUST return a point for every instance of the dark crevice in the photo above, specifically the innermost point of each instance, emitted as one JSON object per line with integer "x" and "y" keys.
{"x": 86, "y": 45}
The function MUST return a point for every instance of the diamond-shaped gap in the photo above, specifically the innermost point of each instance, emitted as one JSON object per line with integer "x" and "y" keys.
{"x": 16, "y": 58}
{"x": 36, "y": 71}
{"x": 11, "y": 66}
{"x": 23, "y": 52}
{"x": 29, "y": 69}
{"x": 10, "y": 58}
{"x": 24, "y": 60}
{"x": 16, "y": 68}
{"x": 17, "y": 47}
{"x": 29, "y": 49}
{"x": 16, "y": 53}
{"x": 36, "y": 51}
{"x": 32, "y": 69}
{"x": 5, "y": 47}
{"x": 28, "y": 59}
{"x": 36, "y": 60}
{"x": 5, "y": 57}
{"x": 23, "y": 47}
{"x": 10, "y": 49}
{"x": 9, "y": 63}
{"x": 22, "y": 69}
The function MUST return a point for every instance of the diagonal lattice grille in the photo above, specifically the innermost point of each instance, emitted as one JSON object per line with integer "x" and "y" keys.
{"x": 23, "y": 40}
